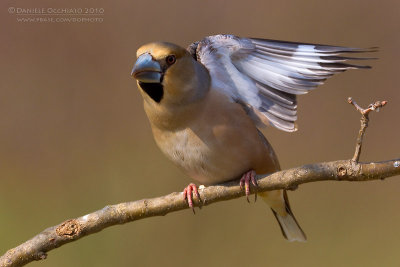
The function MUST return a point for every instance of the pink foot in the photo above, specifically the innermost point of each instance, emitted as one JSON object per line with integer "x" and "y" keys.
{"x": 188, "y": 194}
{"x": 245, "y": 180}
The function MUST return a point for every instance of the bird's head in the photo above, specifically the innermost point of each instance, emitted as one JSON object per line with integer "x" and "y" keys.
{"x": 168, "y": 75}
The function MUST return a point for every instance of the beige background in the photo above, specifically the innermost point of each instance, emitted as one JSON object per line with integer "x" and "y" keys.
{"x": 74, "y": 136}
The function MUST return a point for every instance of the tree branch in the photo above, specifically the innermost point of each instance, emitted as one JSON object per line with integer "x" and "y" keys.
{"x": 74, "y": 229}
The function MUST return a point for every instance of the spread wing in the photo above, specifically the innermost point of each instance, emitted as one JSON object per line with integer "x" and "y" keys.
{"x": 265, "y": 76}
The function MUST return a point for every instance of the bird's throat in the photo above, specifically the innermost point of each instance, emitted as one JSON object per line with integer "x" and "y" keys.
{"x": 154, "y": 90}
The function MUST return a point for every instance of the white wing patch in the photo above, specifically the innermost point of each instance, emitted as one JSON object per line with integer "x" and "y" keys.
{"x": 266, "y": 75}
{"x": 225, "y": 76}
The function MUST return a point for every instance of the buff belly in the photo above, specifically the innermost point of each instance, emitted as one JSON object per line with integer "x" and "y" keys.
{"x": 208, "y": 163}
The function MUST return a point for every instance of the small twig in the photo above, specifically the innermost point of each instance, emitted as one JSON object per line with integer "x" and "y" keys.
{"x": 364, "y": 123}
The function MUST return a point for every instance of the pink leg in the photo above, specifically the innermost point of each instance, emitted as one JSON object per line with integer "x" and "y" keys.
{"x": 188, "y": 194}
{"x": 245, "y": 180}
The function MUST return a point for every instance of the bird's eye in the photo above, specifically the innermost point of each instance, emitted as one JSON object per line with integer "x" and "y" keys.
{"x": 170, "y": 59}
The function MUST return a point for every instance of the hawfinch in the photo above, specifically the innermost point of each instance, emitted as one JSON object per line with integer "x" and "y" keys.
{"x": 207, "y": 103}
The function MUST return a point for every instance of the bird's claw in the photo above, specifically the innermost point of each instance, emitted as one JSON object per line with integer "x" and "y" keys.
{"x": 245, "y": 181}
{"x": 188, "y": 195}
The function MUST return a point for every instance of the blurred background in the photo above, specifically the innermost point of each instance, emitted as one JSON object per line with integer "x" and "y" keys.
{"x": 74, "y": 137}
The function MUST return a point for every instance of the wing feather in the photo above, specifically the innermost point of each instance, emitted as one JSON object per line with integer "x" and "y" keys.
{"x": 267, "y": 75}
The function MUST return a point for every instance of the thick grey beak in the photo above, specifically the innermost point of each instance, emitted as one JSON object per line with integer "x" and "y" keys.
{"x": 147, "y": 70}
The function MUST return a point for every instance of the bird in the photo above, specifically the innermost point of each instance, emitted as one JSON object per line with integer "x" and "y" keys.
{"x": 208, "y": 104}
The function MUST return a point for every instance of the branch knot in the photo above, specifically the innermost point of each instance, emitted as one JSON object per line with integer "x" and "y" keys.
{"x": 69, "y": 229}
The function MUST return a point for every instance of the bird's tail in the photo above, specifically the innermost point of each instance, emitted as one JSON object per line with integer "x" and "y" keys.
{"x": 279, "y": 203}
